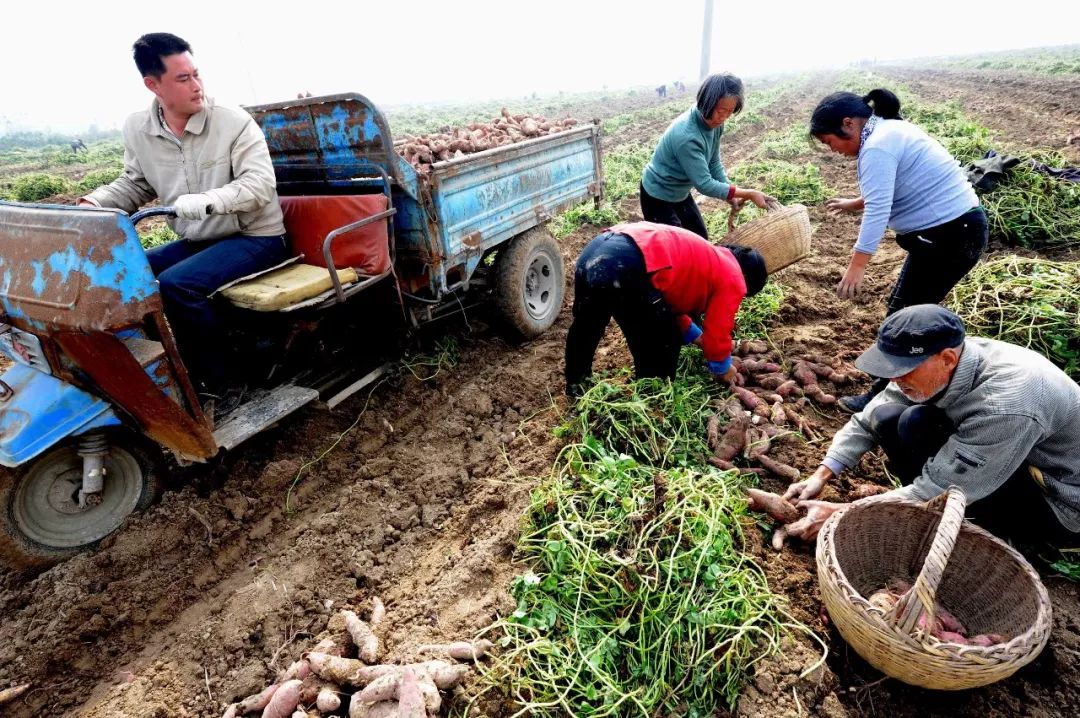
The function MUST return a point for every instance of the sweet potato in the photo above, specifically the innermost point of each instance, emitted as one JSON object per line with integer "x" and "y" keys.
{"x": 230, "y": 711}
{"x": 803, "y": 374}
{"x": 815, "y": 392}
{"x": 789, "y": 388}
{"x": 769, "y": 396}
{"x": 284, "y": 700}
{"x": 752, "y": 346}
{"x": 385, "y": 709}
{"x": 297, "y": 669}
{"x": 771, "y": 381}
{"x": 780, "y": 469}
{"x": 774, "y": 505}
{"x": 863, "y": 491}
{"x": 986, "y": 639}
{"x": 410, "y": 699}
{"x": 949, "y": 621}
{"x": 757, "y": 366}
{"x": 734, "y": 438}
{"x": 778, "y": 416}
{"x": 346, "y": 671}
{"x": 365, "y": 639}
{"x": 712, "y": 432}
{"x": 378, "y": 612}
{"x": 883, "y": 599}
{"x": 952, "y": 637}
{"x": 721, "y": 464}
{"x": 257, "y": 701}
{"x": 758, "y": 443}
{"x": 328, "y": 700}
{"x": 747, "y": 397}
{"x": 382, "y": 688}
{"x": 432, "y": 697}
{"x": 9, "y": 694}
{"x": 460, "y": 650}
{"x": 778, "y": 538}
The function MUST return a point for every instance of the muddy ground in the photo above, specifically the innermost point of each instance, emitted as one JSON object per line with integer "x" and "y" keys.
{"x": 202, "y": 599}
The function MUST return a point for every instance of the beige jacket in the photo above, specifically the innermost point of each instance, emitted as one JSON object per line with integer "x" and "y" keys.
{"x": 222, "y": 153}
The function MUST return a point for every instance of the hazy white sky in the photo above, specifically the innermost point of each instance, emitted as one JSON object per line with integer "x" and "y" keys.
{"x": 68, "y": 64}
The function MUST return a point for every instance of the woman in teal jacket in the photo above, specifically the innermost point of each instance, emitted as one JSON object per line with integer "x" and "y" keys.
{"x": 688, "y": 156}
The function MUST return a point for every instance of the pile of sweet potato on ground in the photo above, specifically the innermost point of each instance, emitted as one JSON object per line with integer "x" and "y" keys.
{"x": 328, "y": 681}
{"x": 422, "y": 151}
{"x": 767, "y": 404}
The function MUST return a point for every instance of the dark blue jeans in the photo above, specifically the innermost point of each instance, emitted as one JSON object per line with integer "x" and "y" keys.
{"x": 610, "y": 281}
{"x": 911, "y": 435}
{"x": 188, "y": 272}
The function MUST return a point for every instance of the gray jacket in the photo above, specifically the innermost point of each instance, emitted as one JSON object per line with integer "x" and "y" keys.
{"x": 222, "y": 153}
{"x": 1010, "y": 407}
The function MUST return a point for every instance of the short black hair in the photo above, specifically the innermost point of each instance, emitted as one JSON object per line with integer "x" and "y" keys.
{"x": 152, "y": 47}
{"x": 752, "y": 265}
{"x": 715, "y": 88}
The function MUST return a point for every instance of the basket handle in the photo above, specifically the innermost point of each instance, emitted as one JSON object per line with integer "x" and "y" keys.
{"x": 920, "y": 598}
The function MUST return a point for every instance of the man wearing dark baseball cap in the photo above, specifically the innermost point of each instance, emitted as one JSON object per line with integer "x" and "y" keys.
{"x": 997, "y": 420}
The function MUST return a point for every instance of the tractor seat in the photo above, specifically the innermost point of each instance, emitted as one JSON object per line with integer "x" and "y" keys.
{"x": 359, "y": 256}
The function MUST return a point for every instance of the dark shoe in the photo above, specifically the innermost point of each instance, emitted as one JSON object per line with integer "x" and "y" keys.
{"x": 856, "y": 403}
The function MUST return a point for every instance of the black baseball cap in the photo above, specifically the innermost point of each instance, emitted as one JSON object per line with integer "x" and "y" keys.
{"x": 909, "y": 337}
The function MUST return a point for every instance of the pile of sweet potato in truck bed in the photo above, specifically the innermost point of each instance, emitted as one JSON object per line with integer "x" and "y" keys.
{"x": 422, "y": 151}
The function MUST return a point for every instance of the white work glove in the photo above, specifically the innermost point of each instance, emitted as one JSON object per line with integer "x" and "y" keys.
{"x": 194, "y": 206}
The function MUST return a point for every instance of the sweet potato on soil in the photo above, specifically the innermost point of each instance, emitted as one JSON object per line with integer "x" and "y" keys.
{"x": 780, "y": 469}
{"x": 815, "y": 392}
{"x": 9, "y": 694}
{"x": 365, "y": 639}
{"x": 804, "y": 374}
{"x": 257, "y": 701}
{"x": 230, "y": 711}
{"x": 747, "y": 397}
{"x": 752, "y": 346}
{"x": 721, "y": 464}
{"x": 382, "y": 688}
{"x": 789, "y": 388}
{"x": 328, "y": 700}
{"x": 346, "y": 671}
{"x": 774, "y": 505}
{"x": 385, "y": 709}
{"x": 284, "y": 701}
{"x": 771, "y": 381}
{"x": 378, "y": 612}
{"x": 712, "y": 432}
{"x": 778, "y": 416}
{"x": 778, "y": 538}
{"x": 460, "y": 650}
{"x": 758, "y": 443}
{"x": 410, "y": 699}
{"x": 758, "y": 366}
{"x": 734, "y": 438}
{"x": 297, "y": 669}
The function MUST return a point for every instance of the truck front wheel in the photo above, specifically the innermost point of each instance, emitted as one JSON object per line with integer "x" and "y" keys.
{"x": 529, "y": 282}
{"x": 41, "y": 521}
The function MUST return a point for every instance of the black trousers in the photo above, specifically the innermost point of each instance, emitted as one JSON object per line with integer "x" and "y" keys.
{"x": 610, "y": 281}
{"x": 911, "y": 435}
{"x": 683, "y": 214}
{"x": 937, "y": 259}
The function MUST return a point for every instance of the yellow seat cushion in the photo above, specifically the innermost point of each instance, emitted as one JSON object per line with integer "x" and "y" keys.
{"x": 285, "y": 287}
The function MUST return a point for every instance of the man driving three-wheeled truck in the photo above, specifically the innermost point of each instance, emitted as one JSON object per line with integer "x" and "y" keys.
{"x": 97, "y": 401}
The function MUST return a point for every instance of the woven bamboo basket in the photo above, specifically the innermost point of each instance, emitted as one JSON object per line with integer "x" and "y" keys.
{"x": 782, "y": 235}
{"x": 986, "y": 584}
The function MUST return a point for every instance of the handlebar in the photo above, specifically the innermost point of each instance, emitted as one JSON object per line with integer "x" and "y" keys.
{"x": 153, "y": 212}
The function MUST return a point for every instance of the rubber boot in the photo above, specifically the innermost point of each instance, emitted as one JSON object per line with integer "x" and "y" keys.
{"x": 857, "y": 402}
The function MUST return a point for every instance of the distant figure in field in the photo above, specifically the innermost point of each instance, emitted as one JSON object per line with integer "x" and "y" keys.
{"x": 77, "y": 145}
{"x": 679, "y": 86}
{"x": 661, "y": 91}
{"x": 303, "y": 95}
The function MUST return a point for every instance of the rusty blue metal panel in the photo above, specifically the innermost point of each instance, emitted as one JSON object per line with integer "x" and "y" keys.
{"x": 72, "y": 267}
{"x": 42, "y": 410}
{"x": 485, "y": 199}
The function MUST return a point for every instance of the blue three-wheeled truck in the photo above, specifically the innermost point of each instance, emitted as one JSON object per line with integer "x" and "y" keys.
{"x": 95, "y": 397}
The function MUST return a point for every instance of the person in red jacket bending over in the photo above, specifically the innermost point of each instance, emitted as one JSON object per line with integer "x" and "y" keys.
{"x": 654, "y": 280}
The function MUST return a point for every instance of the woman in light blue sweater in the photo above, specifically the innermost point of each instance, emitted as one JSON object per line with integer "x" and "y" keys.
{"x": 911, "y": 184}
{"x": 688, "y": 156}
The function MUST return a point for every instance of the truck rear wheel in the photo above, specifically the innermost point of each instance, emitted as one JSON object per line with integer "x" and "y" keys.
{"x": 41, "y": 522}
{"x": 529, "y": 282}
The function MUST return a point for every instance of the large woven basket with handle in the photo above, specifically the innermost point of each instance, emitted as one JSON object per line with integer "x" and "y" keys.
{"x": 782, "y": 235}
{"x": 985, "y": 583}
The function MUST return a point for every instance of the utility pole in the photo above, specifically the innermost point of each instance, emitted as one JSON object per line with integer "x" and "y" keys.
{"x": 706, "y": 40}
